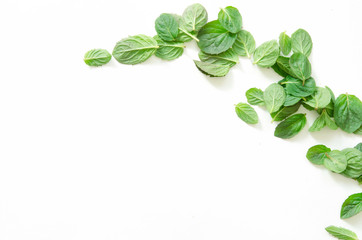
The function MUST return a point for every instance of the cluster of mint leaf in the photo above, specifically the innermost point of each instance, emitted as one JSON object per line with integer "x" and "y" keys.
{"x": 221, "y": 43}
{"x": 347, "y": 162}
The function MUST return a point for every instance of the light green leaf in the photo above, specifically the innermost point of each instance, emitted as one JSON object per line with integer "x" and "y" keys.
{"x": 341, "y": 233}
{"x": 352, "y": 206}
{"x": 212, "y": 70}
{"x": 359, "y": 146}
{"x": 290, "y": 126}
{"x": 246, "y": 113}
{"x": 135, "y": 49}
{"x": 166, "y": 27}
{"x": 335, "y": 161}
{"x": 266, "y": 54}
{"x": 317, "y": 153}
{"x": 354, "y": 163}
{"x": 285, "y": 43}
{"x": 230, "y": 19}
{"x": 300, "y": 66}
{"x": 283, "y": 64}
{"x": 291, "y": 100}
{"x": 214, "y": 38}
{"x": 255, "y": 96}
{"x": 348, "y": 112}
{"x": 322, "y": 121}
{"x": 194, "y": 17}
{"x": 168, "y": 50}
{"x": 228, "y": 57}
{"x": 274, "y": 97}
{"x": 183, "y": 34}
{"x": 302, "y": 42}
{"x": 296, "y": 88}
{"x": 320, "y": 99}
{"x": 244, "y": 44}
{"x": 97, "y": 57}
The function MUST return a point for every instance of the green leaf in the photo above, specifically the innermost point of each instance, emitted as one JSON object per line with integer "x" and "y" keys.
{"x": 278, "y": 70}
{"x": 300, "y": 66}
{"x": 274, "y": 97}
{"x": 168, "y": 50}
{"x": 354, "y": 162}
{"x": 166, "y": 27}
{"x": 183, "y": 34}
{"x": 97, "y": 57}
{"x": 358, "y": 131}
{"x": 291, "y": 100}
{"x": 212, "y": 70}
{"x": 352, "y": 206}
{"x": 230, "y": 19}
{"x": 320, "y": 99}
{"x": 244, "y": 44}
{"x": 290, "y": 126}
{"x": 215, "y": 39}
{"x": 341, "y": 233}
{"x": 322, "y": 121}
{"x": 296, "y": 88}
{"x": 284, "y": 112}
{"x": 255, "y": 96}
{"x": 266, "y": 54}
{"x": 302, "y": 42}
{"x": 283, "y": 63}
{"x": 335, "y": 161}
{"x": 359, "y": 146}
{"x": 135, "y": 49}
{"x": 348, "y": 112}
{"x": 228, "y": 57}
{"x": 317, "y": 153}
{"x": 194, "y": 17}
{"x": 246, "y": 113}
{"x": 285, "y": 43}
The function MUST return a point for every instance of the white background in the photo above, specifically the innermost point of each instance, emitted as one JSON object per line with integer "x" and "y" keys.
{"x": 156, "y": 151}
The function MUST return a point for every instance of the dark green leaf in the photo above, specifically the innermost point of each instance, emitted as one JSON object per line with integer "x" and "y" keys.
{"x": 246, "y": 113}
{"x": 290, "y": 126}
{"x": 335, "y": 161}
{"x": 341, "y": 233}
{"x": 359, "y": 146}
{"x": 317, "y": 153}
{"x": 283, "y": 63}
{"x": 274, "y": 97}
{"x": 285, "y": 112}
{"x": 255, "y": 96}
{"x": 97, "y": 57}
{"x": 166, "y": 27}
{"x": 212, "y": 70}
{"x": 135, "y": 49}
{"x": 352, "y": 206}
{"x": 354, "y": 162}
{"x": 320, "y": 99}
{"x": 291, "y": 100}
{"x": 194, "y": 17}
{"x": 348, "y": 112}
{"x": 244, "y": 44}
{"x": 300, "y": 66}
{"x": 228, "y": 57}
{"x": 230, "y": 19}
{"x": 215, "y": 39}
{"x": 266, "y": 54}
{"x": 358, "y": 131}
{"x": 302, "y": 42}
{"x": 278, "y": 70}
{"x": 285, "y": 43}
{"x": 168, "y": 50}
{"x": 296, "y": 88}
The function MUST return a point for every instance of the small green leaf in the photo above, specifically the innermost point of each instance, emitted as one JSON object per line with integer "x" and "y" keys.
{"x": 285, "y": 112}
{"x": 278, "y": 70}
{"x": 341, "y": 233}
{"x": 214, "y": 38}
{"x": 320, "y": 99}
{"x": 354, "y": 162}
{"x": 255, "y": 96}
{"x": 317, "y": 153}
{"x": 302, "y": 42}
{"x": 135, "y": 49}
{"x": 359, "y": 146}
{"x": 228, "y": 57}
{"x": 244, "y": 44}
{"x": 246, "y": 113}
{"x": 230, "y": 19}
{"x": 166, "y": 27}
{"x": 290, "y": 126}
{"x": 212, "y": 70}
{"x": 300, "y": 66}
{"x": 283, "y": 64}
{"x": 296, "y": 88}
{"x": 266, "y": 54}
{"x": 352, "y": 206}
{"x": 274, "y": 97}
{"x": 285, "y": 43}
{"x": 194, "y": 17}
{"x": 291, "y": 100}
{"x": 348, "y": 112}
{"x": 335, "y": 161}
{"x": 97, "y": 57}
{"x": 168, "y": 50}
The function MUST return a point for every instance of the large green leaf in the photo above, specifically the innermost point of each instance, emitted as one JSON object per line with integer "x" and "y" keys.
{"x": 335, "y": 161}
{"x": 290, "y": 126}
{"x": 214, "y": 38}
{"x": 352, "y": 206}
{"x": 317, "y": 153}
{"x": 266, "y": 54}
{"x": 194, "y": 17}
{"x": 228, "y": 57}
{"x": 135, "y": 49}
{"x": 296, "y": 88}
{"x": 166, "y": 27}
{"x": 300, "y": 66}
{"x": 244, "y": 44}
{"x": 348, "y": 112}
{"x": 354, "y": 162}
{"x": 320, "y": 99}
{"x": 274, "y": 97}
{"x": 211, "y": 69}
{"x": 285, "y": 112}
{"x": 230, "y": 19}
{"x": 168, "y": 50}
{"x": 302, "y": 42}
{"x": 341, "y": 233}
